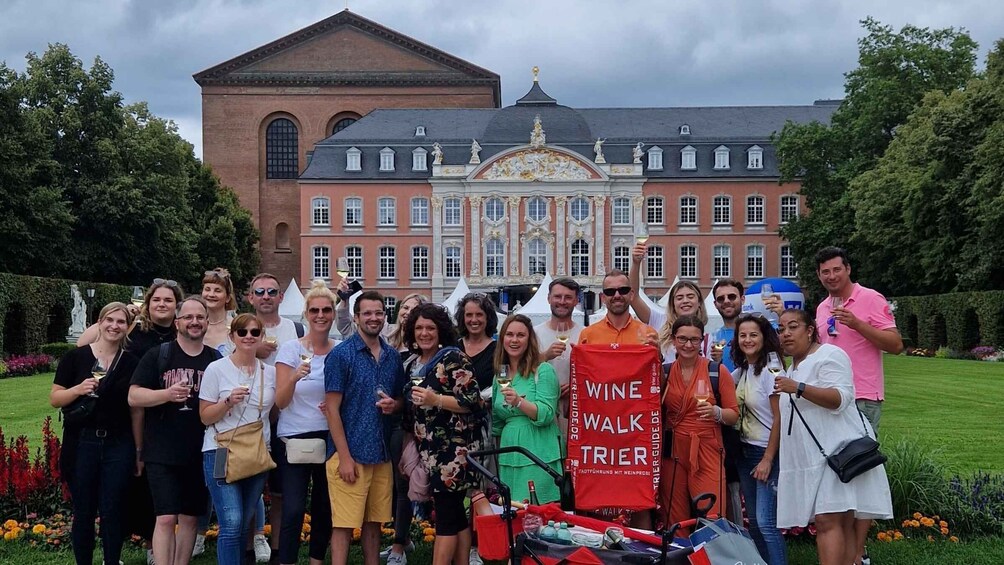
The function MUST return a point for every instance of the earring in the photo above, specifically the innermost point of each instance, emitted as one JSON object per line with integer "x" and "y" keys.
{"x": 440, "y": 345}
{"x": 414, "y": 345}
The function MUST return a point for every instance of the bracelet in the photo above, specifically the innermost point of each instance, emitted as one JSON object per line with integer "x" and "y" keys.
{"x": 439, "y": 401}
{"x": 518, "y": 404}
{"x": 718, "y": 414}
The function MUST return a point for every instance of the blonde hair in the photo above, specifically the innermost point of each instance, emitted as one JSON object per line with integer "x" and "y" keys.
{"x": 396, "y": 337}
{"x": 666, "y": 331}
{"x": 221, "y": 276}
{"x": 318, "y": 289}
{"x": 114, "y": 307}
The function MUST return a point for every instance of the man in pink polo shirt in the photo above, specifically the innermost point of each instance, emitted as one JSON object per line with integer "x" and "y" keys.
{"x": 862, "y": 325}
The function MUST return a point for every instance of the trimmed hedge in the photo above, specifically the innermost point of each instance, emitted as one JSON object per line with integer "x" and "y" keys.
{"x": 960, "y": 320}
{"x": 37, "y": 310}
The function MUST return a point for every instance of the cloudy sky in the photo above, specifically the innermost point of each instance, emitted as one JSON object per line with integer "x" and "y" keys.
{"x": 592, "y": 53}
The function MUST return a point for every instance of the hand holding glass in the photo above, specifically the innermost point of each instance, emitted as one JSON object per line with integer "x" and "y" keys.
{"x": 641, "y": 232}
{"x": 702, "y": 392}
{"x": 187, "y": 383}
{"x": 98, "y": 371}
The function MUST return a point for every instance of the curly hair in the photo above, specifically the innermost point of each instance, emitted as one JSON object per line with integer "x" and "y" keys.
{"x": 487, "y": 306}
{"x": 436, "y": 314}
{"x": 771, "y": 343}
{"x": 531, "y": 358}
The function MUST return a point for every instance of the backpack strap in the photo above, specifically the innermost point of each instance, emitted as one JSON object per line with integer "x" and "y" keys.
{"x": 713, "y": 375}
{"x": 299, "y": 329}
{"x": 163, "y": 356}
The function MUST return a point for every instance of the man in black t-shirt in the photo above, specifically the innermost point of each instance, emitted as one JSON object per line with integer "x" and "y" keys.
{"x": 168, "y": 390}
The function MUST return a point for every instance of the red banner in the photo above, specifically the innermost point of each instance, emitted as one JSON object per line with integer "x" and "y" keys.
{"x": 614, "y": 428}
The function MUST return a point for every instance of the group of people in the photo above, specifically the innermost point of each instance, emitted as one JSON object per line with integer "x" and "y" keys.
{"x": 363, "y": 427}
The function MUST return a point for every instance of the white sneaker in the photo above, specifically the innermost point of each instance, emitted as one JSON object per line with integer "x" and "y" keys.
{"x": 475, "y": 558}
{"x": 200, "y": 545}
{"x": 149, "y": 557}
{"x": 397, "y": 559}
{"x": 262, "y": 551}
{"x": 385, "y": 553}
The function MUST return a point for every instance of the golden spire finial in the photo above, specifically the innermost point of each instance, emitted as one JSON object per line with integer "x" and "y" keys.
{"x": 536, "y": 71}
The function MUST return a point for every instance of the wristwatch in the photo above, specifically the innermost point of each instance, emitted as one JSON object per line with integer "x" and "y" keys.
{"x": 800, "y": 391}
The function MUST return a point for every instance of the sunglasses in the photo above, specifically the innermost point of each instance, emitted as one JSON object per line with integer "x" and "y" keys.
{"x": 243, "y": 332}
{"x": 166, "y": 282}
{"x": 273, "y": 292}
{"x": 315, "y": 311}
{"x": 623, "y": 291}
{"x": 731, "y": 297}
{"x": 222, "y": 273}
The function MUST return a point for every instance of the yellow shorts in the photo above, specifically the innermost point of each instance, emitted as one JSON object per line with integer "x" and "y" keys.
{"x": 366, "y": 500}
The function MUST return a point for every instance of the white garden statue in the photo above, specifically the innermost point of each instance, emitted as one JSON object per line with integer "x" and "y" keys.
{"x": 78, "y": 316}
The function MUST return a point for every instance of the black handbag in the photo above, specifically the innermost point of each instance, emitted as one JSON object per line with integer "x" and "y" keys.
{"x": 79, "y": 411}
{"x": 855, "y": 458}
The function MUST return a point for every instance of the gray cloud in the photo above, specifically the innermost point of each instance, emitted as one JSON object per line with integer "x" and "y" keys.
{"x": 592, "y": 53}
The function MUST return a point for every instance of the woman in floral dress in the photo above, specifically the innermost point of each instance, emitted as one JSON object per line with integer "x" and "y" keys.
{"x": 444, "y": 415}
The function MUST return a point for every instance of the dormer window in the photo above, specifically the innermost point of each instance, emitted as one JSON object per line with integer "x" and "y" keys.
{"x": 419, "y": 160}
{"x": 754, "y": 157}
{"x": 353, "y": 159}
{"x": 688, "y": 158}
{"x": 721, "y": 158}
{"x": 685, "y": 129}
{"x": 655, "y": 159}
{"x": 419, "y": 131}
{"x": 386, "y": 159}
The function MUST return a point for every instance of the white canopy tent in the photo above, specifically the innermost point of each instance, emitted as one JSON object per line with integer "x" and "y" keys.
{"x": 292, "y": 303}
{"x": 664, "y": 301}
{"x": 454, "y": 298}
{"x": 715, "y": 320}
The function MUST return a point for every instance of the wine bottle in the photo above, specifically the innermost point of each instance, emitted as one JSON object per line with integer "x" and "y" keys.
{"x": 533, "y": 493}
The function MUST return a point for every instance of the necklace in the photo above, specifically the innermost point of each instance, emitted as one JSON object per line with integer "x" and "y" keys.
{"x": 220, "y": 321}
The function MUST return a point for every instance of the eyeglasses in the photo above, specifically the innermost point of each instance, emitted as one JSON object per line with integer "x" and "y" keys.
{"x": 190, "y": 317}
{"x": 622, "y": 290}
{"x": 695, "y": 341}
{"x": 165, "y": 282}
{"x": 260, "y": 291}
{"x": 243, "y": 332}
{"x": 731, "y": 297}
{"x": 315, "y": 311}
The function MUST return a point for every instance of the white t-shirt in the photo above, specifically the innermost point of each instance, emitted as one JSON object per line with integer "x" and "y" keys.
{"x": 285, "y": 331}
{"x": 545, "y": 337}
{"x": 220, "y": 378}
{"x": 753, "y": 392}
{"x": 302, "y": 414}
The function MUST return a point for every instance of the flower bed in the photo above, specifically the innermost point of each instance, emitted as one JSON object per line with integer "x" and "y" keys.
{"x": 25, "y": 365}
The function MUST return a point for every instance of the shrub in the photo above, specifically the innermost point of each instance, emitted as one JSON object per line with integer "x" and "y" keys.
{"x": 916, "y": 479}
{"x": 977, "y": 504}
{"x": 58, "y": 349}
{"x": 942, "y": 352}
{"x": 25, "y": 365}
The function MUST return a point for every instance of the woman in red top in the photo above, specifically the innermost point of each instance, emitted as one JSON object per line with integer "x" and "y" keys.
{"x": 693, "y": 420}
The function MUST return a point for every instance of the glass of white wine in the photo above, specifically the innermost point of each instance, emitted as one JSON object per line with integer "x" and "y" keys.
{"x": 98, "y": 371}
{"x": 641, "y": 232}
{"x": 702, "y": 392}
{"x": 342, "y": 267}
{"x": 774, "y": 366}
{"x": 187, "y": 383}
{"x": 503, "y": 378}
{"x": 307, "y": 353}
{"x": 137, "y": 296}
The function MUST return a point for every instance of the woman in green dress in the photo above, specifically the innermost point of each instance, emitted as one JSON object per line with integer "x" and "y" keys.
{"x": 524, "y": 411}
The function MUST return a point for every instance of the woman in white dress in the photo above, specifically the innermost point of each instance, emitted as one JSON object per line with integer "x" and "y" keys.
{"x": 819, "y": 382}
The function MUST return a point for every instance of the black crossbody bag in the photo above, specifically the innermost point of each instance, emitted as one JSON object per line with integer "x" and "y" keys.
{"x": 855, "y": 458}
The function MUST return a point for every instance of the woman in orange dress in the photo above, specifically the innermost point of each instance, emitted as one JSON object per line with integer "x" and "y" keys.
{"x": 693, "y": 419}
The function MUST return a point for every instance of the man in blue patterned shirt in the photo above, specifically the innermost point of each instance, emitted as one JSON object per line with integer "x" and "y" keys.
{"x": 364, "y": 379}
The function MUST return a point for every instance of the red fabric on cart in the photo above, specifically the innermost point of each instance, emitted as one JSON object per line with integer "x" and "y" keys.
{"x": 554, "y": 512}
{"x": 582, "y": 556}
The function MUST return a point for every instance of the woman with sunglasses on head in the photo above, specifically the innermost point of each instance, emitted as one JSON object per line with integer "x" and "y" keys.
{"x": 759, "y": 430}
{"x": 443, "y": 412}
{"x": 819, "y": 401}
{"x": 524, "y": 411}
{"x": 695, "y": 462}
{"x": 236, "y": 390}
{"x": 98, "y": 454}
{"x": 299, "y": 394}
{"x": 218, "y": 292}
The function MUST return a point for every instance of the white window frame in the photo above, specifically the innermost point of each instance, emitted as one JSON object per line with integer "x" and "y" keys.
{"x": 684, "y": 129}
{"x": 495, "y": 258}
{"x": 754, "y": 158}
{"x": 536, "y": 257}
{"x": 387, "y": 266}
{"x": 354, "y": 255}
{"x": 787, "y": 265}
{"x": 721, "y": 261}
{"x": 353, "y": 207}
{"x": 453, "y": 258}
{"x": 575, "y": 208}
{"x": 655, "y": 158}
{"x": 688, "y": 261}
{"x": 725, "y": 210}
{"x": 655, "y": 211}
{"x": 621, "y": 258}
{"x": 621, "y": 211}
{"x": 320, "y": 211}
{"x": 756, "y": 210}
{"x": 386, "y": 160}
{"x": 688, "y": 210}
{"x": 420, "y": 262}
{"x": 420, "y": 211}
{"x": 420, "y": 159}
{"x": 579, "y": 262}
{"x": 754, "y": 262}
{"x": 495, "y": 204}
{"x": 321, "y": 265}
{"x": 789, "y": 208}
{"x": 722, "y": 158}
{"x": 453, "y": 211}
{"x": 536, "y": 209}
{"x": 655, "y": 262}
{"x": 353, "y": 159}
{"x": 386, "y": 211}
{"x": 389, "y": 305}
{"x": 419, "y": 131}
{"x": 688, "y": 159}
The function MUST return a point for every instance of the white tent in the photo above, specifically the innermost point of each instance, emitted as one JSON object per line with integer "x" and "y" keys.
{"x": 538, "y": 302}
{"x": 451, "y": 301}
{"x": 648, "y": 301}
{"x": 714, "y": 318}
{"x": 664, "y": 301}
{"x": 292, "y": 302}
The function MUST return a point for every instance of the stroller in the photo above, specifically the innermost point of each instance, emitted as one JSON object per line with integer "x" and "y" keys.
{"x": 501, "y": 536}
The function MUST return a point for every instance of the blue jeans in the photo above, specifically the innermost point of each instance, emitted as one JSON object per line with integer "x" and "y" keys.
{"x": 761, "y": 506}
{"x": 98, "y": 485}
{"x": 235, "y": 505}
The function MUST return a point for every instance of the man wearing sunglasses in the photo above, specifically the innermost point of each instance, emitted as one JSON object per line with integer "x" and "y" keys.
{"x": 618, "y": 326}
{"x": 729, "y": 299}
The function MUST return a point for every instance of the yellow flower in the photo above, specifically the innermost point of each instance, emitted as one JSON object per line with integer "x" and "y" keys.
{"x": 268, "y": 529}
{"x": 10, "y": 524}
{"x": 212, "y": 534}
{"x": 944, "y": 531}
{"x": 306, "y": 518}
{"x": 953, "y": 539}
{"x": 943, "y": 524}
{"x": 306, "y": 528}
{"x": 917, "y": 515}
{"x": 906, "y": 523}
{"x": 915, "y": 524}
{"x": 897, "y": 535}
{"x": 429, "y": 539}
{"x": 9, "y": 536}
{"x": 356, "y": 533}
{"x": 927, "y": 522}
{"x": 38, "y": 529}
{"x": 882, "y": 536}
{"x": 429, "y": 531}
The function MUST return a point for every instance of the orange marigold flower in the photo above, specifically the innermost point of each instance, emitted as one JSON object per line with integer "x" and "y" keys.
{"x": 897, "y": 535}
{"x": 38, "y": 529}
{"x": 915, "y": 524}
{"x": 268, "y": 529}
{"x": 882, "y": 536}
{"x": 306, "y": 518}
{"x": 917, "y": 515}
{"x": 943, "y": 524}
{"x": 953, "y": 539}
{"x": 944, "y": 531}
{"x": 429, "y": 539}
{"x": 356, "y": 533}
{"x": 306, "y": 528}
{"x": 906, "y": 523}
{"x": 429, "y": 531}
{"x": 10, "y": 524}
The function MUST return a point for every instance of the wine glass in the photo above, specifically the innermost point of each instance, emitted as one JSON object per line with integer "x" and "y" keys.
{"x": 562, "y": 335}
{"x": 831, "y": 323}
{"x": 702, "y": 392}
{"x": 187, "y": 383}
{"x": 98, "y": 371}
{"x": 503, "y": 377}
{"x": 247, "y": 375}
{"x": 767, "y": 292}
{"x": 307, "y": 353}
{"x": 774, "y": 366}
{"x": 641, "y": 232}
{"x": 137, "y": 296}
{"x": 342, "y": 267}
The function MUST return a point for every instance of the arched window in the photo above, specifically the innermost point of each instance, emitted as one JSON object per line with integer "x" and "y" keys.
{"x": 494, "y": 209}
{"x": 281, "y": 150}
{"x": 580, "y": 258}
{"x": 580, "y": 209}
{"x": 342, "y": 124}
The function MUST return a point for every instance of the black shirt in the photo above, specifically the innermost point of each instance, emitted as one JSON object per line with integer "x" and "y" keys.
{"x": 112, "y": 410}
{"x": 141, "y": 341}
{"x": 172, "y": 436}
{"x": 482, "y": 364}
